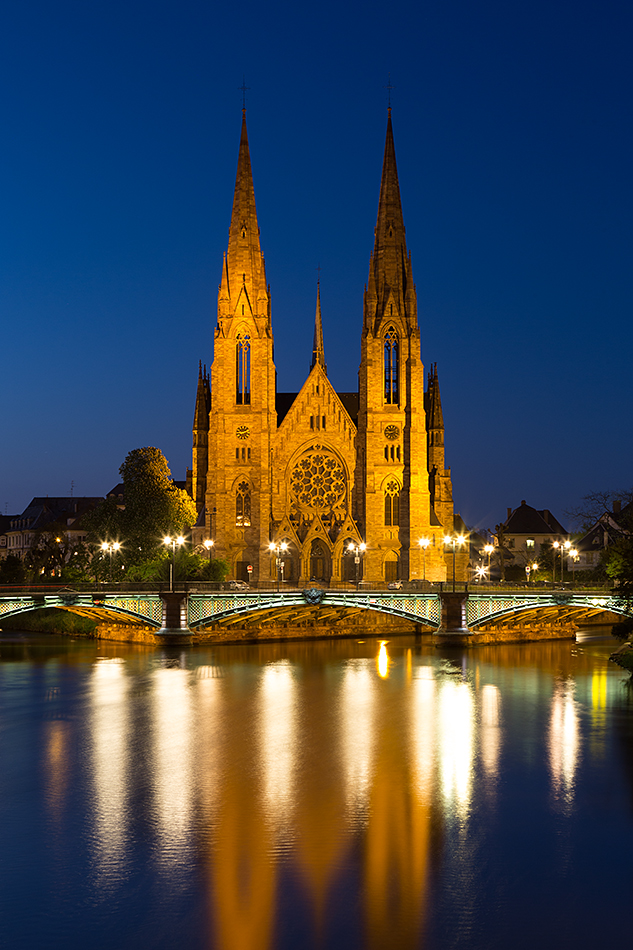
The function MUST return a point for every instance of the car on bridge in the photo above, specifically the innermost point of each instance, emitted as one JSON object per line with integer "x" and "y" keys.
{"x": 236, "y": 585}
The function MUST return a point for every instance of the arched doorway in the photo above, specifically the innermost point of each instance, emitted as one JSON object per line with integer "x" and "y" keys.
{"x": 320, "y": 562}
{"x": 391, "y": 567}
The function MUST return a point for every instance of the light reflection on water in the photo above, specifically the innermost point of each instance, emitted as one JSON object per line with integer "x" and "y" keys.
{"x": 334, "y": 794}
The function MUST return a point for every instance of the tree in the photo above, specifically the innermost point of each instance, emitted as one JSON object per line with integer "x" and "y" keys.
{"x": 12, "y": 570}
{"x": 594, "y": 504}
{"x": 153, "y": 508}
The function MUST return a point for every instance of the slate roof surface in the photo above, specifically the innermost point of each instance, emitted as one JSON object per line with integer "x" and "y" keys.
{"x": 527, "y": 520}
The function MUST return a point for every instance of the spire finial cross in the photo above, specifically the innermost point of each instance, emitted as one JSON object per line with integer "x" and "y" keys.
{"x": 318, "y": 273}
{"x": 244, "y": 89}
{"x": 389, "y": 87}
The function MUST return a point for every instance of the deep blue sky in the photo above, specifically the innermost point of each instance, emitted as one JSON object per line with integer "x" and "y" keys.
{"x": 120, "y": 127}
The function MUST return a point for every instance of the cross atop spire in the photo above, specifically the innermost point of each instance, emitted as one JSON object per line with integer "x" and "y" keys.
{"x": 318, "y": 351}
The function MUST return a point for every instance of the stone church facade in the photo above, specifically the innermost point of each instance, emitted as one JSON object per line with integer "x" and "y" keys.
{"x": 319, "y": 470}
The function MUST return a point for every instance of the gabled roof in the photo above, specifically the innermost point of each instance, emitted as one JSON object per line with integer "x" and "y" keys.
{"x": 527, "y": 520}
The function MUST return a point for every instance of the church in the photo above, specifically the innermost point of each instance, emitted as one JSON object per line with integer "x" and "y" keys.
{"x": 351, "y": 484}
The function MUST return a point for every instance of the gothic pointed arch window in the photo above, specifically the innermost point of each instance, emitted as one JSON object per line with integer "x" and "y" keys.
{"x": 392, "y": 359}
{"x": 243, "y": 369}
{"x": 392, "y": 503}
{"x": 243, "y": 505}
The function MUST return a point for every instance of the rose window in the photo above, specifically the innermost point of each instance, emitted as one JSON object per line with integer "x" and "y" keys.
{"x": 318, "y": 481}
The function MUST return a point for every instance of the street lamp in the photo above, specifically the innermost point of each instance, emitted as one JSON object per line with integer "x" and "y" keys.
{"x": 481, "y": 573}
{"x": 208, "y": 544}
{"x": 424, "y": 543}
{"x": 564, "y": 547}
{"x": 110, "y": 547}
{"x": 278, "y": 549}
{"x": 453, "y": 541}
{"x": 357, "y": 550}
{"x": 574, "y": 557}
{"x": 167, "y": 541}
{"x": 488, "y": 549}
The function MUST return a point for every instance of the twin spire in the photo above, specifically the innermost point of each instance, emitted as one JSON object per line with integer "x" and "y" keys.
{"x": 243, "y": 285}
{"x": 390, "y": 290}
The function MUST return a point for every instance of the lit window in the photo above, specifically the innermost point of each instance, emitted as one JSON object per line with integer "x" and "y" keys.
{"x": 243, "y": 505}
{"x": 243, "y": 369}
{"x": 391, "y": 366}
{"x": 392, "y": 504}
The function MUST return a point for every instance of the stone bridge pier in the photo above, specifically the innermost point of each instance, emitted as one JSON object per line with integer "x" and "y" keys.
{"x": 174, "y": 627}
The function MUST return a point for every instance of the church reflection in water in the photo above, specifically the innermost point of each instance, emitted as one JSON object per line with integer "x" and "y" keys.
{"x": 297, "y": 777}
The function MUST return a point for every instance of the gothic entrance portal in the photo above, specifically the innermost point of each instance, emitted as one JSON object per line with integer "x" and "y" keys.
{"x": 320, "y": 563}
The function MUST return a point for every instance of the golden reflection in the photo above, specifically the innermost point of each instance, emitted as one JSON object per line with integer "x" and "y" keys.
{"x": 57, "y": 766}
{"x": 456, "y": 745}
{"x": 599, "y": 689}
{"x": 382, "y": 660}
{"x": 563, "y": 741}
{"x": 398, "y": 834}
{"x": 490, "y": 734}
{"x": 357, "y": 733}
{"x": 172, "y": 757}
{"x": 422, "y": 725}
{"x": 277, "y": 720}
{"x": 109, "y": 754}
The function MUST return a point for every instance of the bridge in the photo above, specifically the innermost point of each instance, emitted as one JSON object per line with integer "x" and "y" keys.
{"x": 187, "y": 611}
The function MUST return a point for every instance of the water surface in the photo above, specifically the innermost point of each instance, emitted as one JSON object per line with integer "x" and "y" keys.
{"x": 334, "y": 794}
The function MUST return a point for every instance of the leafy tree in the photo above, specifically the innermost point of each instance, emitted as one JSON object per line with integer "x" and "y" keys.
{"x": 12, "y": 570}
{"x": 153, "y": 507}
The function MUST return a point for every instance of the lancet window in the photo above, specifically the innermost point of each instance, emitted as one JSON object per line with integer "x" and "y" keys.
{"x": 243, "y": 504}
{"x": 243, "y": 369}
{"x": 392, "y": 354}
{"x": 392, "y": 503}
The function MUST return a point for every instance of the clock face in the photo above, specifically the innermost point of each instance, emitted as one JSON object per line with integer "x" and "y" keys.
{"x": 392, "y": 432}
{"x": 243, "y": 432}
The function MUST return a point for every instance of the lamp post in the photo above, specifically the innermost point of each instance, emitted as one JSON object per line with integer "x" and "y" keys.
{"x": 357, "y": 550}
{"x": 574, "y": 557}
{"x": 110, "y": 547}
{"x": 424, "y": 543}
{"x": 168, "y": 541}
{"x": 278, "y": 550}
{"x": 453, "y": 541}
{"x": 564, "y": 546}
{"x": 488, "y": 549}
{"x": 208, "y": 544}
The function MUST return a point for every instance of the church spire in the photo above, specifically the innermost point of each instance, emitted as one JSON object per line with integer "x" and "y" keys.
{"x": 203, "y": 401}
{"x": 318, "y": 351}
{"x": 390, "y": 286}
{"x": 244, "y": 275}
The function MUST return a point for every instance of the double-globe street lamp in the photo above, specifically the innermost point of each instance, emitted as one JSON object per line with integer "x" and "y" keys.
{"x": 173, "y": 542}
{"x": 357, "y": 550}
{"x": 108, "y": 547}
{"x": 278, "y": 550}
{"x": 563, "y": 547}
{"x": 452, "y": 541}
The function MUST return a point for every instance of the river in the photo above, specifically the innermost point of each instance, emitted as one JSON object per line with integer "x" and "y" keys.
{"x": 317, "y": 794}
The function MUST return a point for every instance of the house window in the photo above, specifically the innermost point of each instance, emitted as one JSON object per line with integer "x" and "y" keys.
{"x": 391, "y": 367}
{"x": 529, "y": 543}
{"x": 243, "y": 369}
